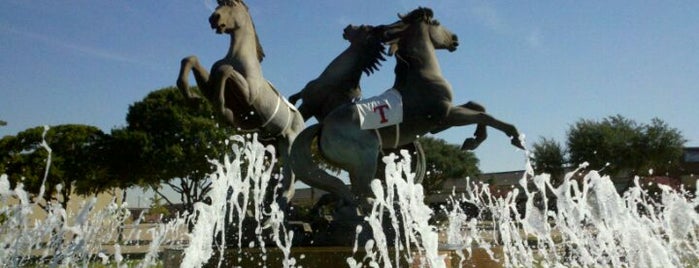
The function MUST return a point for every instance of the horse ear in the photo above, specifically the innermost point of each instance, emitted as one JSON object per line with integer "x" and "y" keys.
{"x": 229, "y": 2}
{"x": 428, "y": 13}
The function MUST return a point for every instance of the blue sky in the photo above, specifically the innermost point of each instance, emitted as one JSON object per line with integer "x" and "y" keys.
{"x": 541, "y": 65}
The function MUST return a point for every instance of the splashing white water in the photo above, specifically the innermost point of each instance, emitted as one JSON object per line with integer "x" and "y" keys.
{"x": 402, "y": 200}
{"x": 239, "y": 184}
{"x": 592, "y": 225}
{"x": 60, "y": 238}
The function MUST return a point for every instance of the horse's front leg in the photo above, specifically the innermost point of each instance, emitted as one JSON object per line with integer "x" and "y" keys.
{"x": 464, "y": 115}
{"x": 188, "y": 64}
{"x": 226, "y": 83}
{"x": 481, "y": 132}
{"x": 479, "y": 135}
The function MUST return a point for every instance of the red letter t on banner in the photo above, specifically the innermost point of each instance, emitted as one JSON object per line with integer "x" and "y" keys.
{"x": 381, "y": 108}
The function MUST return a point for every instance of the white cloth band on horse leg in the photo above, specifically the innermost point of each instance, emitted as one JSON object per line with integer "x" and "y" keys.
{"x": 395, "y": 145}
{"x": 276, "y": 109}
{"x": 288, "y": 120}
{"x": 378, "y": 136}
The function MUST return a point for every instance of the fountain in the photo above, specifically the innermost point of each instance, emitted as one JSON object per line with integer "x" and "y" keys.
{"x": 592, "y": 226}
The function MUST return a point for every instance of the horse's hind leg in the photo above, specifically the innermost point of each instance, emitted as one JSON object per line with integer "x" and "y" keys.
{"x": 356, "y": 152}
{"x": 294, "y": 98}
{"x": 305, "y": 107}
{"x": 305, "y": 111}
{"x": 361, "y": 175}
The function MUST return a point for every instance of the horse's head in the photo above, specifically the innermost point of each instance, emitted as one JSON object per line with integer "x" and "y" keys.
{"x": 416, "y": 25}
{"x": 368, "y": 39}
{"x": 229, "y": 16}
{"x": 232, "y": 15}
{"x": 443, "y": 38}
{"x": 358, "y": 33}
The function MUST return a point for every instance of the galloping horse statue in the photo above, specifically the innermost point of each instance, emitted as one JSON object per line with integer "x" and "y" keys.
{"x": 238, "y": 90}
{"x": 427, "y": 107}
{"x": 338, "y": 84}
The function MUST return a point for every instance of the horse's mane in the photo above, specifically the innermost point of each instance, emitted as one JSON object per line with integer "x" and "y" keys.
{"x": 396, "y": 30}
{"x": 374, "y": 51}
{"x": 260, "y": 51}
{"x": 424, "y": 14}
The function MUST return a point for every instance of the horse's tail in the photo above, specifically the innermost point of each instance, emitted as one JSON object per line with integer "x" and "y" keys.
{"x": 301, "y": 155}
{"x": 420, "y": 162}
{"x": 301, "y": 160}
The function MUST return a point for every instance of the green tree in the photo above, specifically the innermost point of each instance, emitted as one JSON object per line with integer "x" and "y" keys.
{"x": 446, "y": 161}
{"x": 548, "y": 156}
{"x": 618, "y": 146}
{"x": 621, "y": 145}
{"x": 611, "y": 144}
{"x": 72, "y": 165}
{"x": 169, "y": 140}
{"x": 662, "y": 147}
{"x": 157, "y": 208}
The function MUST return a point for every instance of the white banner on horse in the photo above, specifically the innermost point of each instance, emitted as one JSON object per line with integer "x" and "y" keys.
{"x": 380, "y": 111}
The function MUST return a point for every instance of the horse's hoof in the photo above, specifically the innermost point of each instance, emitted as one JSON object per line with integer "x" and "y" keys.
{"x": 517, "y": 143}
{"x": 470, "y": 144}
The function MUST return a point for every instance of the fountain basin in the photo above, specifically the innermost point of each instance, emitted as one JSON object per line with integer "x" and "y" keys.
{"x": 327, "y": 257}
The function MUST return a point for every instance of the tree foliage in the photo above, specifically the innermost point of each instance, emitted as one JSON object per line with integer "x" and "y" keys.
{"x": 73, "y": 160}
{"x": 548, "y": 156}
{"x": 619, "y": 146}
{"x": 446, "y": 161}
{"x": 169, "y": 138}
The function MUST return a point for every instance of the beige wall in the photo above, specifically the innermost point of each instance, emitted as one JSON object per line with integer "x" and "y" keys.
{"x": 75, "y": 203}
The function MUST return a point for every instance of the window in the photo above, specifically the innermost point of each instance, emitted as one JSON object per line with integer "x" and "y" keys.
{"x": 691, "y": 156}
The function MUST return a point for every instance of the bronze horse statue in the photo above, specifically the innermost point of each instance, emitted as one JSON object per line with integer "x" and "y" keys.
{"x": 427, "y": 107}
{"x": 338, "y": 84}
{"x": 239, "y": 91}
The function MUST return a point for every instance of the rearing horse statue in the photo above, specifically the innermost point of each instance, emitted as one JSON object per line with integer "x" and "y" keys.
{"x": 427, "y": 107}
{"x": 238, "y": 90}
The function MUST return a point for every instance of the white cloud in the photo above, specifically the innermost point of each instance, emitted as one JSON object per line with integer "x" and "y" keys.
{"x": 490, "y": 18}
{"x": 85, "y": 50}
